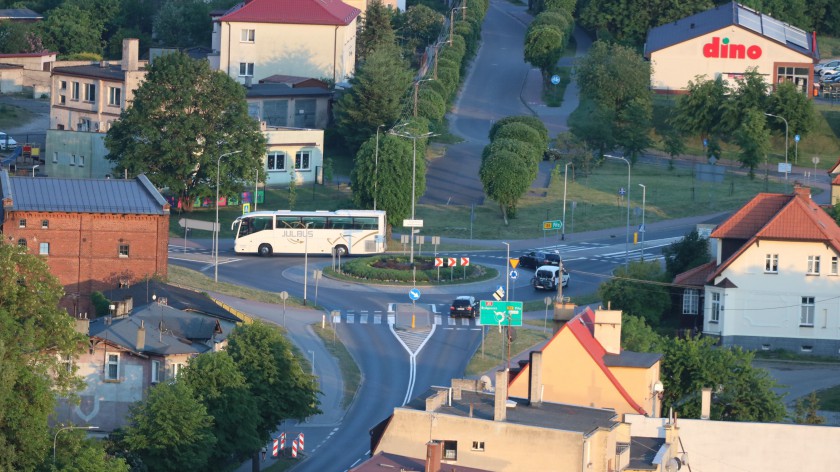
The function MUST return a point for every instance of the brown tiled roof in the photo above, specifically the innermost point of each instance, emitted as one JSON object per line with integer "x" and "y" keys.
{"x": 836, "y": 180}
{"x": 747, "y": 221}
{"x": 696, "y": 276}
{"x": 305, "y": 12}
{"x": 835, "y": 168}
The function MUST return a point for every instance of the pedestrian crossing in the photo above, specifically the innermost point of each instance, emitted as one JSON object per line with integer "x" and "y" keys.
{"x": 380, "y": 318}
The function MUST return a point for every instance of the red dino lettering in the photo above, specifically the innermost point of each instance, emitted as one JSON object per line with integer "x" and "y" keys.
{"x": 724, "y": 50}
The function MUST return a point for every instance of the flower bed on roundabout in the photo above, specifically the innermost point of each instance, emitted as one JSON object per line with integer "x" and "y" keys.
{"x": 397, "y": 270}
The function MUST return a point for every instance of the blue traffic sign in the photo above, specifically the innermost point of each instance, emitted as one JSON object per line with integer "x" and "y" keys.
{"x": 555, "y": 79}
{"x": 622, "y": 191}
{"x": 514, "y": 274}
{"x": 414, "y": 294}
{"x": 796, "y": 138}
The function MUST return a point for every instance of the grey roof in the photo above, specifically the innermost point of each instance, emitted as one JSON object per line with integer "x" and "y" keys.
{"x": 110, "y": 72}
{"x": 544, "y": 415}
{"x": 643, "y": 451}
{"x": 19, "y": 14}
{"x": 136, "y": 196}
{"x": 725, "y": 15}
{"x": 282, "y": 90}
{"x": 632, "y": 359}
{"x": 176, "y": 297}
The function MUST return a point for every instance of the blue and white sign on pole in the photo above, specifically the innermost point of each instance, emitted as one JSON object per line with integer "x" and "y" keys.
{"x": 414, "y": 294}
{"x": 796, "y": 138}
{"x": 622, "y": 191}
{"x": 555, "y": 79}
{"x": 514, "y": 274}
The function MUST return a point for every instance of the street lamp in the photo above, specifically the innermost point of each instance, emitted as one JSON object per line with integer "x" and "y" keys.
{"x": 786, "y": 140}
{"x": 55, "y": 439}
{"x": 33, "y": 169}
{"x": 452, "y": 22}
{"x": 305, "y": 259}
{"x": 376, "y": 166}
{"x": 642, "y": 229}
{"x": 507, "y": 271}
{"x": 565, "y": 180}
{"x": 216, "y": 227}
{"x": 627, "y": 234}
{"x": 413, "y": 178}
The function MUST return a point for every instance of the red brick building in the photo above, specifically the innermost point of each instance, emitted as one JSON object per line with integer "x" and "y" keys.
{"x": 95, "y": 234}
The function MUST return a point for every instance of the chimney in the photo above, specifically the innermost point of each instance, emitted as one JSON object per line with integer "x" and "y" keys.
{"x": 607, "y": 330}
{"x": 500, "y": 404}
{"x": 804, "y": 192}
{"x": 130, "y": 54}
{"x": 248, "y": 81}
{"x": 706, "y": 403}
{"x": 434, "y": 453}
{"x": 141, "y": 337}
{"x": 535, "y": 380}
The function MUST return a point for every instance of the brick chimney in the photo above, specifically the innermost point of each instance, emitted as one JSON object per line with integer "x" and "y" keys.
{"x": 434, "y": 454}
{"x": 607, "y": 330}
{"x": 141, "y": 337}
{"x": 130, "y": 54}
{"x": 803, "y": 192}
{"x": 535, "y": 379}
{"x": 501, "y": 395}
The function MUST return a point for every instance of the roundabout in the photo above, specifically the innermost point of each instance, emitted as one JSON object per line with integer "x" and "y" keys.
{"x": 389, "y": 269}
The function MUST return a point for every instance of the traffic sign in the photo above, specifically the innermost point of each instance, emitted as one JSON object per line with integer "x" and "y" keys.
{"x": 514, "y": 263}
{"x": 785, "y": 167}
{"x": 796, "y": 138}
{"x": 622, "y": 191}
{"x": 414, "y": 294}
{"x": 412, "y": 223}
{"x": 641, "y": 228}
{"x": 465, "y": 261}
{"x": 246, "y": 208}
{"x": 553, "y": 224}
{"x": 514, "y": 274}
{"x": 500, "y": 312}
{"x": 451, "y": 262}
{"x": 499, "y": 293}
{"x": 438, "y": 262}
{"x": 198, "y": 224}
{"x": 555, "y": 79}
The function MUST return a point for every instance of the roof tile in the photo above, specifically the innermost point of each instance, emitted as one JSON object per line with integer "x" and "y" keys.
{"x": 305, "y": 12}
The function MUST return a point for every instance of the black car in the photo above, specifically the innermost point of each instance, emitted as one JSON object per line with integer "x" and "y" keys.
{"x": 535, "y": 259}
{"x": 464, "y": 306}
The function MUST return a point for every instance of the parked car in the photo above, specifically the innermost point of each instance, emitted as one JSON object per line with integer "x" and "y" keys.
{"x": 829, "y": 72}
{"x": 534, "y": 259}
{"x": 464, "y": 305}
{"x": 826, "y": 65}
{"x": 546, "y": 278}
{"x": 6, "y": 142}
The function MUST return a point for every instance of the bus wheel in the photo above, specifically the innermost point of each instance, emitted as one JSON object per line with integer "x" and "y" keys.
{"x": 340, "y": 250}
{"x": 265, "y": 250}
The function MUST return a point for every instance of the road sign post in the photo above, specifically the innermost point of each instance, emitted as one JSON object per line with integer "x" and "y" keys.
{"x": 498, "y": 312}
{"x": 284, "y": 295}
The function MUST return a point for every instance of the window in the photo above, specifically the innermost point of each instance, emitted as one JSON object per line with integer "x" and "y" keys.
{"x": 716, "y": 308}
{"x": 276, "y": 161}
{"x": 22, "y": 242}
{"x": 771, "y": 263}
{"x": 691, "y": 301}
{"x": 74, "y": 92}
{"x": 478, "y": 446}
{"x": 176, "y": 370}
{"x": 833, "y": 265}
{"x": 246, "y": 69}
{"x": 90, "y": 92}
{"x": 123, "y": 250}
{"x": 45, "y": 224}
{"x": 155, "y": 371}
{"x": 247, "y": 35}
{"x": 81, "y": 161}
{"x": 114, "y": 96}
{"x": 72, "y": 159}
{"x": 112, "y": 367}
{"x": 450, "y": 450}
{"x": 62, "y": 100}
{"x": 62, "y": 85}
{"x": 55, "y": 157}
{"x": 45, "y": 249}
{"x": 68, "y": 362}
{"x": 813, "y": 265}
{"x": 807, "y": 317}
{"x": 302, "y": 160}
{"x": 22, "y": 223}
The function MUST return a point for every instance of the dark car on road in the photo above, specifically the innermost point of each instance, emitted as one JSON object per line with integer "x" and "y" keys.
{"x": 535, "y": 259}
{"x": 464, "y": 306}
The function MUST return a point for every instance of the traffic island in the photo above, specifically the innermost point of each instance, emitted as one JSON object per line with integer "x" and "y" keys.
{"x": 399, "y": 270}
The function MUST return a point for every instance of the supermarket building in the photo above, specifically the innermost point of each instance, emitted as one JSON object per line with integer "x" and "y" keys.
{"x": 727, "y": 41}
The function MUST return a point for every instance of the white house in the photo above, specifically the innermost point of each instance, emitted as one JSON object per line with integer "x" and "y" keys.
{"x": 293, "y": 153}
{"x": 310, "y": 38}
{"x": 775, "y": 280}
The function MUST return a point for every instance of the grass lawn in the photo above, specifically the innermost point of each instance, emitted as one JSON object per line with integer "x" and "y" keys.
{"x": 350, "y": 374}
{"x": 829, "y": 398}
{"x": 494, "y": 356}
{"x": 11, "y": 115}
{"x": 196, "y": 280}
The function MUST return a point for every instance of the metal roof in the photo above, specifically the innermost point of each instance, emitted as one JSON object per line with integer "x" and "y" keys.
{"x": 113, "y": 72}
{"x": 136, "y": 196}
{"x": 725, "y": 15}
{"x": 282, "y": 90}
{"x": 20, "y": 14}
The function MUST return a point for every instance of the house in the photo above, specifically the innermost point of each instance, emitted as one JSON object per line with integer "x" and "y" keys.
{"x": 311, "y": 38}
{"x": 130, "y": 353}
{"x": 725, "y": 42}
{"x": 26, "y": 72}
{"x": 285, "y": 105}
{"x": 293, "y": 153}
{"x": 690, "y": 296}
{"x": 588, "y": 350}
{"x": 466, "y": 426}
{"x": 774, "y": 280}
{"x": 94, "y": 234}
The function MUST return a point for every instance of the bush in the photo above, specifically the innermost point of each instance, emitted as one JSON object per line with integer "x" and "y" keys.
{"x": 390, "y": 268}
{"x": 531, "y": 121}
{"x": 430, "y": 105}
{"x": 100, "y": 303}
{"x": 521, "y": 132}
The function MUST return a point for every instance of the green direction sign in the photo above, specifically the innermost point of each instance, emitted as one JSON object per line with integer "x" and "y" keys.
{"x": 553, "y": 224}
{"x": 493, "y": 313}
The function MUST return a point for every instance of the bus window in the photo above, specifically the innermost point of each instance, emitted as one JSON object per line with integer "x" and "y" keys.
{"x": 289, "y": 222}
{"x": 245, "y": 226}
{"x": 365, "y": 223}
{"x": 341, "y": 222}
{"x": 261, "y": 223}
{"x": 315, "y": 222}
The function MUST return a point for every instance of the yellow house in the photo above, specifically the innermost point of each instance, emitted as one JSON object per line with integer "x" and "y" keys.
{"x": 583, "y": 364}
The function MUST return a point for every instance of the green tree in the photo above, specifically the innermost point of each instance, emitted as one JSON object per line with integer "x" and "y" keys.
{"x": 170, "y": 430}
{"x": 638, "y": 336}
{"x": 700, "y": 110}
{"x": 613, "y": 75}
{"x": 76, "y": 453}
{"x": 748, "y": 94}
{"x": 807, "y": 410}
{"x": 419, "y": 26}
{"x": 543, "y": 47}
{"x": 789, "y": 102}
{"x": 532, "y": 121}
{"x": 184, "y": 23}
{"x": 35, "y": 335}
{"x": 638, "y": 291}
{"x": 754, "y": 139}
{"x": 521, "y": 132}
{"x": 633, "y": 127}
{"x": 376, "y": 97}
{"x": 687, "y": 253}
{"x": 222, "y": 389}
{"x": 594, "y": 125}
{"x": 501, "y": 175}
{"x": 674, "y": 144}
{"x": 68, "y": 29}
{"x": 17, "y": 37}
{"x": 183, "y": 118}
{"x": 377, "y": 31}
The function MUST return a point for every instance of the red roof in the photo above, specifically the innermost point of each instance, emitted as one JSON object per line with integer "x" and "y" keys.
{"x": 836, "y": 180}
{"x": 835, "y": 168}
{"x": 303, "y": 12}
{"x": 696, "y": 276}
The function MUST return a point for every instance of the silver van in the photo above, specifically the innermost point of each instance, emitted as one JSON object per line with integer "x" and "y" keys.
{"x": 545, "y": 278}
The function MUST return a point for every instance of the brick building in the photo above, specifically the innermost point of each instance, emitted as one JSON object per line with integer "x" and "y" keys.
{"x": 95, "y": 234}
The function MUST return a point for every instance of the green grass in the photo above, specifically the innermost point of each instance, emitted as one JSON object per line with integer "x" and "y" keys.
{"x": 829, "y": 398}
{"x": 196, "y": 280}
{"x": 781, "y": 354}
{"x": 11, "y": 115}
{"x": 350, "y": 374}
{"x": 495, "y": 356}
{"x": 553, "y": 94}
{"x": 283, "y": 463}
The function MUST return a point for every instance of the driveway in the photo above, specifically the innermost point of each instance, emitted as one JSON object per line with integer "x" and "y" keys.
{"x": 35, "y": 130}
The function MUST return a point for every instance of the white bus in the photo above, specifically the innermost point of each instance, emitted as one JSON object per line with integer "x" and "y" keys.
{"x": 341, "y": 232}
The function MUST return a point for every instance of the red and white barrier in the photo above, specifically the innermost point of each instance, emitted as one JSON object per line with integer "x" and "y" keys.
{"x": 283, "y": 441}
{"x": 300, "y": 441}
{"x": 274, "y": 449}
{"x": 294, "y": 448}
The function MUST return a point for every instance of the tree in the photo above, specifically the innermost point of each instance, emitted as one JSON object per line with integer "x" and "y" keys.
{"x": 700, "y": 110}
{"x": 76, "y": 453}
{"x": 543, "y": 47}
{"x": 419, "y": 26}
{"x": 632, "y": 292}
{"x": 788, "y": 101}
{"x": 183, "y": 23}
{"x": 521, "y": 132}
{"x": 222, "y": 389}
{"x": 613, "y": 75}
{"x": 532, "y": 121}
{"x": 376, "y": 97}
{"x": 638, "y": 336}
{"x": 500, "y": 174}
{"x": 35, "y": 336}
{"x": 68, "y": 29}
{"x": 807, "y": 410}
{"x": 183, "y": 117}
{"x": 748, "y": 94}
{"x": 17, "y": 37}
{"x": 754, "y": 139}
{"x": 687, "y": 253}
{"x": 377, "y": 31}
{"x": 594, "y": 125}
{"x": 633, "y": 127}
{"x": 170, "y": 430}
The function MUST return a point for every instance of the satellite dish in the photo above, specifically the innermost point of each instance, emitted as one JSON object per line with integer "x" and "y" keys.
{"x": 485, "y": 383}
{"x": 673, "y": 465}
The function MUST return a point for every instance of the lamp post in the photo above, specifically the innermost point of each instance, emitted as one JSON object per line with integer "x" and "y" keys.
{"x": 452, "y": 22}
{"x": 507, "y": 271}
{"x": 642, "y": 229}
{"x": 786, "y": 140}
{"x": 305, "y": 259}
{"x": 55, "y": 439}
{"x": 216, "y": 227}
{"x": 376, "y": 166}
{"x": 627, "y": 234}
{"x": 565, "y": 180}
{"x": 413, "y": 178}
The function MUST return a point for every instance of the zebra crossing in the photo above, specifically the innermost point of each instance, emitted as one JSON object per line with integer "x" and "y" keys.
{"x": 378, "y": 317}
